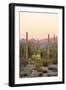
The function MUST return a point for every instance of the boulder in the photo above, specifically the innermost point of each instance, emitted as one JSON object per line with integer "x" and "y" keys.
{"x": 35, "y": 73}
{"x": 44, "y": 69}
{"x": 52, "y": 74}
{"x": 54, "y": 68}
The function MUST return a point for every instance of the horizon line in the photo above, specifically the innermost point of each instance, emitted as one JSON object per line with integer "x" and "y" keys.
{"x": 38, "y": 38}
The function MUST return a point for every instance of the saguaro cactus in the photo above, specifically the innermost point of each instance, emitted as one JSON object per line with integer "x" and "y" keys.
{"x": 48, "y": 46}
{"x": 54, "y": 39}
{"x": 38, "y": 47}
{"x": 26, "y": 45}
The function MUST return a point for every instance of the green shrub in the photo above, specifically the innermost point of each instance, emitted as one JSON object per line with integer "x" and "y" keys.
{"x": 23, "y": 61}
{"x": 37, "y": 60}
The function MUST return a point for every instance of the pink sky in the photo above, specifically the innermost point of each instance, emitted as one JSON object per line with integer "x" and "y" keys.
{"x": 38, "y": 25}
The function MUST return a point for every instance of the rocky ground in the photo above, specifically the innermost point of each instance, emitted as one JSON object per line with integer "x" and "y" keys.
{"x": 46, "y": 71}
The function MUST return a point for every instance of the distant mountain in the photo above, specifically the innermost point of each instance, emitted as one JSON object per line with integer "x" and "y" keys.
{"x": 42, "y": 43}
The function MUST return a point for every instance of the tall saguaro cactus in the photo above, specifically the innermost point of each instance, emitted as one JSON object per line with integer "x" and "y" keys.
{"x": 38, "y": 46}
{"x": 48, "y": 46}
{"x": 54, "y": 39}
{"x": 26, "y": 45}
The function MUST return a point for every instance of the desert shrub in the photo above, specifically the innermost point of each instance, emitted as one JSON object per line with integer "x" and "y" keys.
{"x": 38, "y": 66}
{"x": 33, "y": 57}
{"x": 55, "y": 61}
{"x": 37, "y": 60}
{"x": 23, "y": 61}
{"x": 46, "y": 62}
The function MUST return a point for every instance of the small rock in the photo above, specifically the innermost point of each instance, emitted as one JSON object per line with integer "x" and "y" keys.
{"x": 35, "y": 73}
{"x": 44, "y": 69}
{"x": 49, "y": 71}
{"x": 53, "y": 68}
{"x": 29, "y": 67}
{"x": 44, "y": 75}
{"x": 23, "y": 74}
{"x": 52, "y": 74}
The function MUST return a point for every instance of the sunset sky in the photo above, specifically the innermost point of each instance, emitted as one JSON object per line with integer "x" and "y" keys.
{"x": 38, "y": 25}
